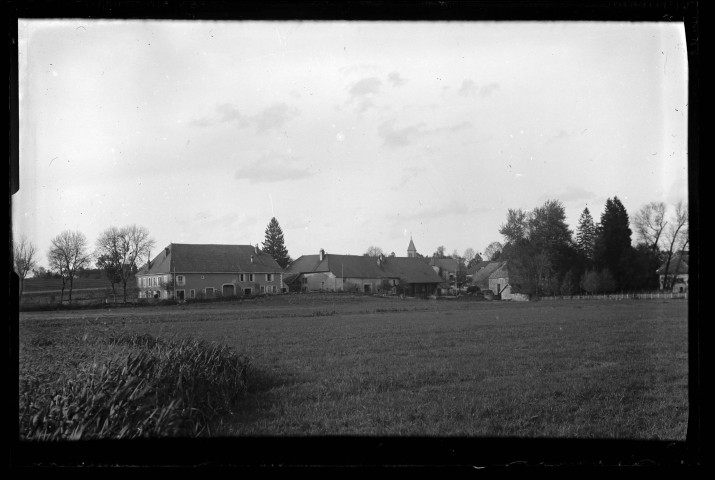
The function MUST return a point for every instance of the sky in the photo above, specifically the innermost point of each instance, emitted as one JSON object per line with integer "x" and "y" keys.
{"x": 351, "y": 134}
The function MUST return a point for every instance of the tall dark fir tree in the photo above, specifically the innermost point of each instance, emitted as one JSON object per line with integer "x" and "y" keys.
{"x": 274, "y": 244}
{"x": 586, "y": 234}
{"x": 613, "y": 247}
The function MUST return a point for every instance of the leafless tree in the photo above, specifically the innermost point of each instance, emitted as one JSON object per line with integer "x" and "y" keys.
{"x": 492, "y": 250}
{"x": 119, "y": 251}
{"x": 650, "y": 223}
{"x": 373, "y": 251}
{"x": 676, "y": 238}
{"x": 469, "y": 254}
{"x": 24, "y": 256}
{"x": 68, "y": 254}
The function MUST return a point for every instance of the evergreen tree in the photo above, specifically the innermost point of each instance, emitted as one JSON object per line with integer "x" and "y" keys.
{"x": 586, "y": 234}
{"x": 274, "y": 244}
{"x": 613, "y": 243}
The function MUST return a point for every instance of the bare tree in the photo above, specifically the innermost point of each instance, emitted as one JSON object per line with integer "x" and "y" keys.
{"x": 492, "y": 250}
{"x": 676, "y": 238}
{"x": 373, "y": 251}
{"x": 650, "y": 223}
{"x": 469, "y": 254}
{"x": 108, "y": 257}
{"x": 24, "y": 256}
{"x": 120, "y": 250}
{"x": 68, "y": 254}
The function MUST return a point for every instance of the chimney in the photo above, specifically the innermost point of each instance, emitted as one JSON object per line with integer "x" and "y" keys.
{"x": 256, "y": 249}
{"x": 251, "y": 258}
{"x": 322, "y": 254}
{"x": 166, "y": 251}
{"x": 380, "y": 259}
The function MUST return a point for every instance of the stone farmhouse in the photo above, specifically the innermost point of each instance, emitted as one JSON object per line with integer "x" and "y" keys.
{"x": 447, "y": 268}
{"x": 678, "y": 267}
{"x": 359, "y": 273}
{"x": 184, "y": 271}
{"x": 480, "y": 274}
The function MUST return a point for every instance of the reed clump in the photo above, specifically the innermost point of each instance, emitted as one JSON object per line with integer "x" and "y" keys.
{"x": 130, "y": 386}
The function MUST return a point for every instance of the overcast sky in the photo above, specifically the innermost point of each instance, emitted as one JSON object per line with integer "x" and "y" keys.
{"x": 351, "y": 134}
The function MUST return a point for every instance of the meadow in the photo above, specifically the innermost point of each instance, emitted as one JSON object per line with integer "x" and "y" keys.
{"x": 338, "y": 365}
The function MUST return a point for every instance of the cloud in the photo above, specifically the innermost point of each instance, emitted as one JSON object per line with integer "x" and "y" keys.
{"x": 363, "y": 91}
{"x": 366, "y": 86}
{"x": 468, "y": 88}
{"x": 274, "y": 116}
{"x": 272, "y": 168}
{"x": 409, "y": 174}
{"x": 395, "y": 79}
{"x": 487, "y": 90}
{"x": 400, "y": 137}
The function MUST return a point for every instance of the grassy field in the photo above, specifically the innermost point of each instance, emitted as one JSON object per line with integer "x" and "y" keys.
{"x": 368, "y": 366}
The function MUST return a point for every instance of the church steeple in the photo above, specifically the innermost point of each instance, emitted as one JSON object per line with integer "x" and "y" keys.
{"x": 411, "y": 250}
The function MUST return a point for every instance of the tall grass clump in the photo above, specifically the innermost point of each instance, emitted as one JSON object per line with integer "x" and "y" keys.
{"x": 140, "y": 386}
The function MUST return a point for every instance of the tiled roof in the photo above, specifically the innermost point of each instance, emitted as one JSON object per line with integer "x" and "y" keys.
{"x": 478, "y": 266}
{"x": 412, "y": 270}
{"x": 207, "y": 258}
{"x": 354, "y": 266}
{"x": 481, "y": 276}
{"x": 682, "y": 266}
{"x": 449, "y": 264}
{"x": 501, "y": 271}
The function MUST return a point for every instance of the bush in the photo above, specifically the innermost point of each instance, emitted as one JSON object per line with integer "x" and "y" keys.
{"x": 148, "y": 388}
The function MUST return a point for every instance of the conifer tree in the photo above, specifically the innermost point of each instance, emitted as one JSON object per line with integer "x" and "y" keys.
{"x": 613, "y": 244}
{"x": 274, "y": 244}
{"x": 586, "y": 234}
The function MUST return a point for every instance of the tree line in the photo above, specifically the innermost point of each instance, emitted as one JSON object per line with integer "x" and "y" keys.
{"x": 546, "y": 259}
{"x": 118, "y": 252}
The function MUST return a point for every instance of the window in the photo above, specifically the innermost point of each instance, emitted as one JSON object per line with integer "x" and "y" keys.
{"x": 202, "y": 277}
{"x": 250, "y": 277}
{"x": 263, "y": 289}
{"x": 209, "y": 291}
{"x": 241, "y": 277}
{"x": 180, "y": 280}
{"x": 269, "y": 277}
{"x": 192, "y": 293}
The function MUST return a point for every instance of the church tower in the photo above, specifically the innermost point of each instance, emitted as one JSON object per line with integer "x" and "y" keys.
{"x": 411, "y": 250}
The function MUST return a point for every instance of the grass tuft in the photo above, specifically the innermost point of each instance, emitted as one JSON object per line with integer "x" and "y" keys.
{"x": 141, "y": 387}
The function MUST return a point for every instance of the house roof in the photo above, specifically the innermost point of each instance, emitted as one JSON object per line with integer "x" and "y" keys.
{"x": 208, "y": 258}
{"x": 412, "y": 270}
{"x": 675, "y": 263}
{"x": 478, "y": 266}
{"x": 501, "y": 271}
{"x": 411, "y": 246}
{"x": 481, "y": 276}
{"x": 449, "y": 264}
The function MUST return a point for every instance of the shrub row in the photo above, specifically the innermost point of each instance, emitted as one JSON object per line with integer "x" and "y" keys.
{"x": 142, "y": 387}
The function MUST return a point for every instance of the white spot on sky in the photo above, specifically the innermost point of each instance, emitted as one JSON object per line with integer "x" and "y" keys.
{"x": 54, "y": 73}
{"x": 340, "y": 136}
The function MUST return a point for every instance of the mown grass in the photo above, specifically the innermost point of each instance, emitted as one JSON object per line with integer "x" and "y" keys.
{"x": 373, "y": 367}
